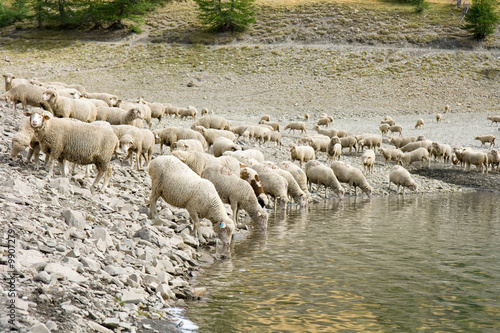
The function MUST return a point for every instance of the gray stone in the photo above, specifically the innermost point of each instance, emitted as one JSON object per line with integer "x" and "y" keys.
{"x": 63, "y": 272}
{"x": 70, "y": 308}
{"x": 115, "y": 270}
{"x": 74, "y": 218}
{"x": 61, "y": 185}
{"x": 91, "y": 264}
{"x": 102, "y": 234}
{"x": 75, "y": 253}
{"x": 22, "y": 187}
{"x": 111, "y": 322}
{"x": 178, "y": 282}
{"x": 43, "y": 277}
{"x": 99, "y": 328}
{"x": 134, "y": 296}
{"x": 165, "y": 291}
{"x": 143, "y": 233}
{"x": 39, "y": 328}
{"x": 51, "y": 325}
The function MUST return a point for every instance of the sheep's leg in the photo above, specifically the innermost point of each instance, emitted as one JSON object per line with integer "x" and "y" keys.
{"x": 100, "y": 173}
{"x": 234, "y": 208}
{"x": 155, "y": 194}
{"x": 138, "y": 158}
{"x": 107, "y": 176}
{"x": 196, "y": 224}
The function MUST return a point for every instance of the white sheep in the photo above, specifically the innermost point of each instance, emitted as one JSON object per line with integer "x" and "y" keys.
{"x": 212, "y": 121}
{"x": 401, "y": 177}
{"x": 306, "y": 116}
{"x": 65, "y": 107}
{"x": 325, "y": 121}
{"x": 111, "y": 100}
{"x": 189, "y": 112}
{"x": 447, "y": 108}
{"x": 11, "y": 81}
{"x": 236, "y": 192}
{"x": 258, "y": 133}
{"x": 196, "y": 161}
{"x": 396, "y": 129}
{"x": 302, "y": 153}
{"x": 117, "y": 116}
{"x": 157, "y": 109}
{"x": 297, "y": 173}
{"x": 494, "y": 159}
{"x": 389, "y": 122}
{"x": 296, "y": 126}
{"x": 139, "y": 141}
{"x": 368, "y": 160}
{"x": 494, "y": 119}
{"x": 274, "y": 136}
{"x": 420, "y": 123}
{"x": 329, "y": 132}
{"x": 486, "y": 139}
{"x": 400, "y": 142}
{"x": 211, "y": 134}
{"x": 441, "y": 151}
{"x": 169, "y": 135}
{"x": 334, "y": 150}
{"x": 179, "y": 186}
{"x": 294, "y": 190}
{"x": 319, "y": 142}
{"x": 427, "y": 144}
{"x": 384, "y": 128}
{"x": 478, "y": 158}
{"x": 26, "y": 95}
{"x": 275, "y": 126}
{"x": 222, "y": 144}
{"x": 24, "y": 138}
{"x": 171, "y": 110}
{"x": 352, "y": 176}
{"x": 419, "y": 154}
{"x": 390, "y": 154}
{"x": 252, "y": 153}
{"x": 145, "y": 111}
{"x": 239, "y": 130}
{"x": 439, "y": 117}
{"x": 252, "y": 177}
{"x": 320, "y": 174}
{"x": 372, "y": 141}
{"x": 231, "y": 163}
{"x": 273, "y": 184}
{"x": 76, "y": 142}
{"x": 188, "y": 145}
{"x": 265, "y": 118}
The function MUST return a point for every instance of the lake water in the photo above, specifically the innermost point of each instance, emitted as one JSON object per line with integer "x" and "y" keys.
{"x": 393, "y": 264}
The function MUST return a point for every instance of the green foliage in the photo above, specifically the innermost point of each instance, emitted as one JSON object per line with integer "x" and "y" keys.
{"x": 420, "y": 5}
{"x": 226, "y": 15}
{"x": 481, "y": 18}
{"x": 11, "y": 14}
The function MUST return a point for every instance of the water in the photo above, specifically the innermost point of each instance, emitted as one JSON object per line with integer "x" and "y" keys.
{"x": 392, "y": 264}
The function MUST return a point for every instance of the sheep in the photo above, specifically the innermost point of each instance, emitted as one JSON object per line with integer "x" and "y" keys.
{"x": 273, "y": 184}
{"x": 117, "y": 116}
{"x": 396, "y": 129}
{"x": 230, "y": 162}
{"x": 205, "y": 111}
{"x": 138, "y": 140}
{"x": 302, "y": 153}
{"x": 252, "y": 153}
{"x": 24, "y": 138}
{"x": 334, "y": 150}
{"x": 111, "y": 100}
{"x": 252, "y": 177}
{"x": 11, "y": 81}
{"x": 189, "y": 112}
{"x": 494, "y": 119}
{"x": 447, "y": 108}
{"x": 427, "y": 144}
{"x": 319, "y": 143}
{"x": 320, "y": 174}
{"x": 298, "y": 125}
{"x": 478, "y": 158}
{"x": 494, "y": 159}
{"x": 67, "y": 92}
{"x": 421, "y": 138}
{"x": 236, "y": 192}
{"x": 274, "y": 136}
{"x": 439, "y": 117}
{"x": 401, "y": 177}
{"x": 196, "y": 161}
{"x": 387, "y": 117}
{"x": 441, "y": 151}
{"x": 297, "y": 173}
{"x": 419, "y": 154}
{"x": 222, "y": 144}
{"x": 212, "y": 121}
{"x": 167, "y": 136}
{"x": 171, "y": 110}
{"x": 26, "y": 95}
{"x": 265, "y": 118}
{"x": 389, "y": 122}
{"x": 120, "y": 130}
{"x": 211, "y": 134}
{"x": 293, "y": 188}
{"x": 306, "y": 116}
{"x": 188, "y": 145}
{"x": 400, "y": 142}
{"x": 179, "y": 186}
{"x": 239, "y": 130}
{"x": 324, "y": 121}
{"x": 329, "y": 132}
{"x": 97, "y": 102}
{"x": 274, "y": 125}
{"x": 352, "y": 176}
{"x": 368, "y": 160}
{"x": 342, "y": 133}
{"x": 486, "y": 139}
{"x": 384, "y": 128}
{"x": 76, "y": 142}
{"x": 78, "y": 87}
{"x": 390, "y": 154}
{"x": 65, "y": 107}
{"x": 372, "y": 141}
{"x": 258, "y": 133}
{"x": 157, "y": 109}
{"x": 145, "y": 110}
{"x": 420, "y": 123}
{"x": 457, "y": 158}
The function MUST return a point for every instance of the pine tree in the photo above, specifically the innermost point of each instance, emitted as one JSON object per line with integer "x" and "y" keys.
{"x": 227, "y": 15}
{"x": 481, "y": 18}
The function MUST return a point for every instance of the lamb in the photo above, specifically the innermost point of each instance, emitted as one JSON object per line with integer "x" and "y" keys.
{"x": 167, "y": 136}
{"x": 211, "y": 134}
{"x": 400, "y": 142}
{"x": 222, "y": 144}
{"x": 273, "y": 184}
{"x": 486, "y": 139}
{"x": 236, "y": 192}
{"x": 439, "y": 117}
{"x": 478, "y": 158}
{"x": 117, "y": 116}
{"x": 265, "y": 118}
{"x": 195, "y": 160}
{"x": 368, "y": 160}
{"x": 138, "y": 140}
{"x": 371, "y": 141}
{"x": 297, "y": 173}
{"x": 427, "y": 144}
{"x": 65, "y": 107}
{"x": 11, "y": 81}
{"x": 302, "y": 153}
{"x": 212, "y": 121}
{"x": 419, "y": 154}
{"x": 420, "y": 123}
{"x": 145, "y": 110}
{"x": 401, "y": 177}
{"x": 298, "y": 125}
{"x": 494, "y": 119}
{"x": 171, "y": 110}
{"x": 441, "y": 151}
{"x": 384, "y": 128}
{"x": 111, "y": 100}
{"x": 26, "y": 95}
{"x": 179, "y": 186}
{"x": 76, "y": 142}
{"x": 320, "y": 174}
{"x": 396, "y": 129}
{"x": 189, "y": 112}
{"x": 334, "y": 151}
{"x": 494, "y": 159}
{"x": 390, "y": 154}
{"x": 293, "y": 188}
{"x": 352, "y": 176}
{"x": 252, "y": 177}
{"x": 188, "y": 145}
{"x": 24, "y": 138}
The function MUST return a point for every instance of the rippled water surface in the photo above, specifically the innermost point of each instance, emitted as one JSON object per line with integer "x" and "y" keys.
{"x": 392, "y": 264}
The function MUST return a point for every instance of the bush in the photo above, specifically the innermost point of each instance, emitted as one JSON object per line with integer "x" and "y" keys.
{"x": 226, "y": 15}
{"x": 481, "y": 18}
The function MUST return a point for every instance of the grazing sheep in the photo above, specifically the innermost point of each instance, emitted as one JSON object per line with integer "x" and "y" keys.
{"x": 478, "y": 158}
{"x": 239, "y": 130}
{"x": 486, "y": 139}
{"x": 212, "y": 121}
{"x": 145, "y": 111}
{"x": 273, "y": 184}
{"x": 419, "y": 154}
{"x": 420, "y": 123}
{"x": 447, "y": 108}
{"x": 401, "y": 177}
{"x": 494, "y": 159}
{"x": 494, "y": 119}
{"x": 371, "y": 141}
{"x": 329, "y": 132}
{"x": 387, "y": 117}
{"x": 74, "y": 141}
{"x": 196, "y": 161}
{"x": 442, "y": 152}
{"x": 230, "y": 162}
{"x": 348, "y": 142}
{"x": 258, "y": 133}
{"x": 439, "y": 117}
{"x": 390, "y": 154}
{"x": 11, "y": 81}
{"x": 334, "y": 151}
{"x": 188, "y": 145}
{"x": 117, "y": 116}
{"x": 325, "y": 121}
{"x": 265, "y": 118}
{"x": 274, "y": 125}
{"x": 298, "y": 125}
{"x": 306, "y": 116}
{"x": 111, "y": 100}
{"x": 427, "y": 144}
{"x": 140, "y": 141}
{"x": 78, "y": 87}
{"x": 342, "y": 133}
{"x": 251, "y": 153}
{"x": 319, "y": 143}
{"x": 320, "y": 174}
{"x": 293, "y": 188}
{"x": 252, "y": 177}
{"x": 421, "y": 138}
{"x": 352, "y": 176}
{"x": 189, "y": 112}
{"x": 274, "y": 136}
{"x": 120, "y": 130}
{"x": 389, "y": 122}
{"x": 297, "y": 173}
{"x": 396, "y": 129}
{"x": 400, "y": 142}
{"x": 167, "y": 136}
{"x": 222, "y": 144}
{"x": 384, "y": 128}
{"x": 211, "y": 134}
{"x": 65, "y": 107}
{"x": 368, "y": 160}
{"x": 236, "y": 192}
{"x": 171, "y": 110}
{"x": 179, "y": 186}
{"x": 157, "y": 109}
{"x": 457, "y": 158}
{"x": 26, "y": 95}
{"x": 302, "y": 153}
{"x": 24, "y": 138}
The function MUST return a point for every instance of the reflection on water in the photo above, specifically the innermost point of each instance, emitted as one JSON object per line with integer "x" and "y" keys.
{"x": 392, "y": 264}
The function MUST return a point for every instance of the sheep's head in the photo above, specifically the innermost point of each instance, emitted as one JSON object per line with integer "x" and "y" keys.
{"x": 37, "y": 118}
{"x": 19, "y": 143}
{"x": 225, "y": 229}
{"x": 8, "y": 77}
{"x": 262, "y": 218}
{"x": 49, "y": 94}
{"x": 340, "y": 192}
{"x": 137, "y": 113}
{"x": 126, "y": 142}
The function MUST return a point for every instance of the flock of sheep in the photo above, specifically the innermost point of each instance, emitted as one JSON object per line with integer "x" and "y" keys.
{"x": 207, "y": 166}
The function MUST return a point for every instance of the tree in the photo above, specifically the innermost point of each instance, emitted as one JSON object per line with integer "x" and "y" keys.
{"x": 481, "y": 18}
{"x": 227, "y": 15}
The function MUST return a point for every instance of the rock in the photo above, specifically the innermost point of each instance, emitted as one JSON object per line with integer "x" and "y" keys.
{"x": 39, "y": 328}
{"x": 200, "y": 291}
{"x": 91, "y": 264}
{"x": 20, "y": 186}
{"x": 115, "y": 270}
{"x": 43, "y": 277}
{"x": 99, "y": 328}
{"x": 178, "y": 282}
{"x": 75, "y": 253}
{"x": 62, "y": 272}
{"x": 102, "y": 234}
{"x": 134, "y": 296}
{"x": 111, "y": 322}
{"x": 143, "y": 233}
{"x": 61, "y": 185}
{"x": 69, "y": 308}
{"x": 165, "y": 291}
{"x": 74, "y": 219}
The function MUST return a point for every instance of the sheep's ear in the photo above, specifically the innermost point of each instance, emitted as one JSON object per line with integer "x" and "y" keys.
{"x": 46, "y": 116}
{"x": 27, "y": 113}
{"x": 259, "y": 214}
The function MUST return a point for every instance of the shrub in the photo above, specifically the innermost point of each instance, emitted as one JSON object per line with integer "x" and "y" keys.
{"x": 481, "y": 18}
{"x": 226, "y": 15}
